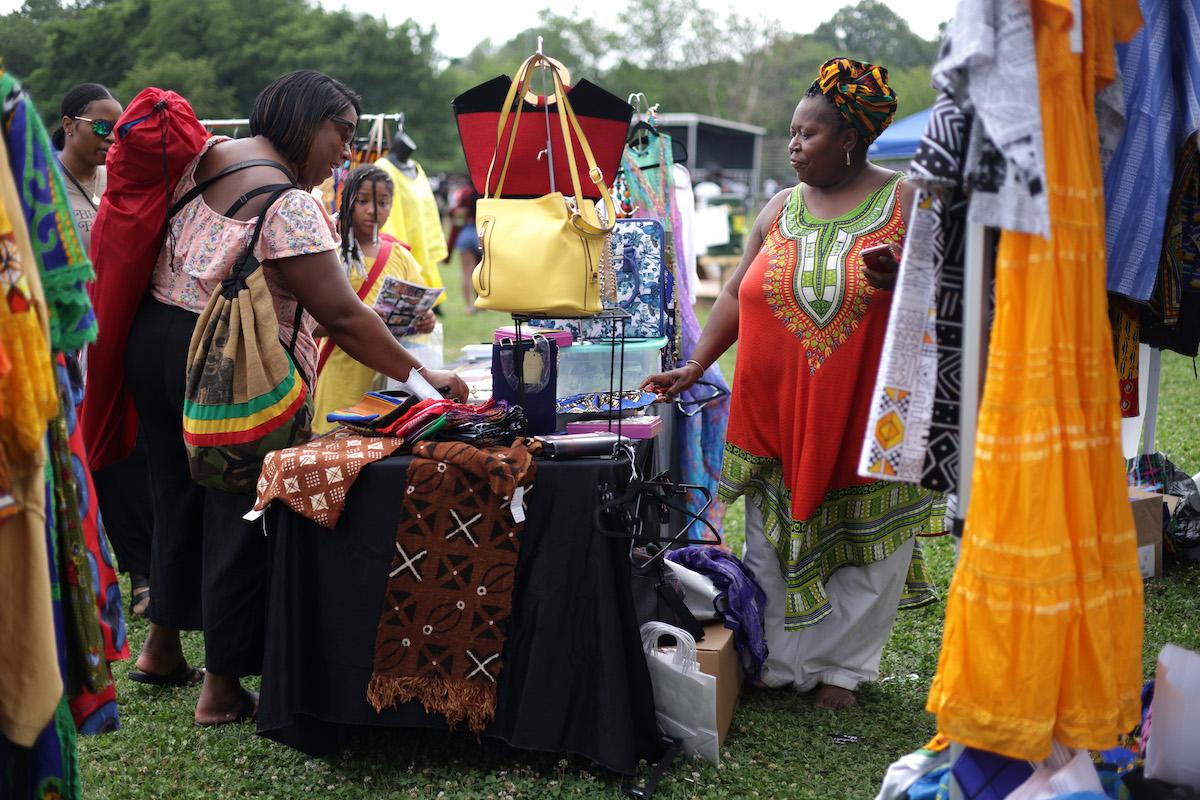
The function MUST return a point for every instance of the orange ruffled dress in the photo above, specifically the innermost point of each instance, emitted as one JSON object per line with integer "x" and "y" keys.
{"x": 1043, "y": 634}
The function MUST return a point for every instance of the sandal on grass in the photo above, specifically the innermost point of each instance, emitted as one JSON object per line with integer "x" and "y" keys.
{"x": 139, "y": 599}
{"x": 184, "y": 674}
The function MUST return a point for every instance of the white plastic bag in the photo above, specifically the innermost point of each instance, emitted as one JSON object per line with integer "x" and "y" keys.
{"x": 685, "y": 699}
{"x": 699, "y": 593}
{"x": 1171, "y": 754}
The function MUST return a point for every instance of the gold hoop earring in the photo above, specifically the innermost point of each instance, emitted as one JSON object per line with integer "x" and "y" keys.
{"x": 847, "y": 158}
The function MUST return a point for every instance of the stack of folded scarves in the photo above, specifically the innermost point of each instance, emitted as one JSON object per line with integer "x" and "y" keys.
{"x": 404, "y": 417}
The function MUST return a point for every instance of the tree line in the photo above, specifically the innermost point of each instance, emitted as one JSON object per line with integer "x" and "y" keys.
{"x": 220, "y": 53}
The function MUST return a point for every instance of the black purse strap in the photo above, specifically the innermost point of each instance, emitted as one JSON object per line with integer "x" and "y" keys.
{"x": 248, "y": 263}
{"x": 195, "y": 191}
{"x": 237, "y": 204}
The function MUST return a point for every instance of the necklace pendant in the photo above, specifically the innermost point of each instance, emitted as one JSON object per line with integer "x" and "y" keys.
{"x": 95, "y": 199}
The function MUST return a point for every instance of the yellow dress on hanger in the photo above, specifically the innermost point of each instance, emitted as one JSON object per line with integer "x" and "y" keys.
{"x": 1043, "y": 634}
{"x": 416, "y": 222}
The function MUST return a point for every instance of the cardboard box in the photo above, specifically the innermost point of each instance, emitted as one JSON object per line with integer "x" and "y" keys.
{"x": 1149, "y": 511}
{"x": 719, "y": 658}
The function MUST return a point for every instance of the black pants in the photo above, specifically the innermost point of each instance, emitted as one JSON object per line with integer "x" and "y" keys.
{"x": 208, "y": 567}
{"x": 127, "y": 510}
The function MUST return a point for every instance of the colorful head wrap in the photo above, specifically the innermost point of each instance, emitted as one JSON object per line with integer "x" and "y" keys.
{"x": 860, "y": 93}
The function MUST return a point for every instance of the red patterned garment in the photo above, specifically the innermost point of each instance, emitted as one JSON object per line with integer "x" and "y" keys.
{"x": 449, "y": 593}
{"x": 810, "y": 338}
{"x": 90, "y": 593}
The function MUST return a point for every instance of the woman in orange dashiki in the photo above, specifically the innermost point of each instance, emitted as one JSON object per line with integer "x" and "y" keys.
{"x": 835, "y": 553}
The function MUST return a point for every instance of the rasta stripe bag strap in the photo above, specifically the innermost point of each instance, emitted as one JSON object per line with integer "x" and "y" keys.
{"x": 244, "y": 395}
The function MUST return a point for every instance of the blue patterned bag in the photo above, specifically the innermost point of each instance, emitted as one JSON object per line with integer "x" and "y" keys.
{"x": 644, "y": 287}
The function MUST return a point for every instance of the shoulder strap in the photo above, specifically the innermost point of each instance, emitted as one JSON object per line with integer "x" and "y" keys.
{"x": 381, "y": 259}
{"x": 241, "y": 201}
{"x": 195, "y": 191}
{"x": 249, "y": 262}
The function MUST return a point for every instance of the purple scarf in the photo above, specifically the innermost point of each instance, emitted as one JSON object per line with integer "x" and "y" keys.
{"x": 740, "y": 601}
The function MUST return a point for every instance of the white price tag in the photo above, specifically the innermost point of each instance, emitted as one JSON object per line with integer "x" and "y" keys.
{"x": 518, "y": 504}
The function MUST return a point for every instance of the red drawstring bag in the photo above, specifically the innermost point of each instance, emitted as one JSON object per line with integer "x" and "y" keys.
{"x": 603, "y": 116}
{"x": 157, "y": 137}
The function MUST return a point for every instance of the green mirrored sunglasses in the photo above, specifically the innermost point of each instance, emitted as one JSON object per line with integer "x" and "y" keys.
{"x": 100, "y": 127}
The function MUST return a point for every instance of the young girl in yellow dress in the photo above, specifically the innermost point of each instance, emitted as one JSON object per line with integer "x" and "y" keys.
{"x": 365, "y": 206}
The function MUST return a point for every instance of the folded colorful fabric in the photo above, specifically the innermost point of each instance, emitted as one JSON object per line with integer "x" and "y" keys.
{"x": 449, "y": 593}
{"x": 604, "y": 402}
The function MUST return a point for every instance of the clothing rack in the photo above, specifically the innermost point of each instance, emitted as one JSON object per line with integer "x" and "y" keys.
{"x": 238, "y": 123}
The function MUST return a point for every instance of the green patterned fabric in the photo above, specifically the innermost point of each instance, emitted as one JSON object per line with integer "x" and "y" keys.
{"x": 60, "y": 256}
{"x": 853, "y": 527}
{"x": 86, "y": 666}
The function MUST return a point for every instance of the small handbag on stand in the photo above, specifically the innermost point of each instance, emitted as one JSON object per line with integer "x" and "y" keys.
{"x": 542, "y": 256}
{"x": 525, "y": 374}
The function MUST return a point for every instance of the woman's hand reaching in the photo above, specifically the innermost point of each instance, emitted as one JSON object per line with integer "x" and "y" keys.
{"x": 454, "y": 386}
{"x": 669, "y": 385}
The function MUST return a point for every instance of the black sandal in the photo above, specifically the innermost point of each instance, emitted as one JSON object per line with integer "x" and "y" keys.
{"x": 139, "y": 592}
{"x": 184, "y": 674}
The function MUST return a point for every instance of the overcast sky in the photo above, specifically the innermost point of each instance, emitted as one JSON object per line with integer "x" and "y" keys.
{"x": 462, "y": 24}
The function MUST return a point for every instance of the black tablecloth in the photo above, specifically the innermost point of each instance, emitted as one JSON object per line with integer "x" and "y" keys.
{"x": 574, "y": 677}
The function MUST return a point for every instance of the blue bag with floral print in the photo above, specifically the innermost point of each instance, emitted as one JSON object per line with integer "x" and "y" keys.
{"x": 644, "y": 287}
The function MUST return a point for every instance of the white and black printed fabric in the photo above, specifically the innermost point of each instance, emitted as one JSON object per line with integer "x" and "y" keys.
{"x": 939, "y": 164}
{"x": 989, "y": 66}
{"x": 913, "y": 433}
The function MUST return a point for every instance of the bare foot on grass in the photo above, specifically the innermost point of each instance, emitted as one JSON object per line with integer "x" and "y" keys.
{"x": 834, "y": 697}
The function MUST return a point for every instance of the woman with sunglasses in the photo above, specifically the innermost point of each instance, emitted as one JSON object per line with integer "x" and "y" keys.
{"x": 89, "y": 114}
{"x": 209, "y": 566}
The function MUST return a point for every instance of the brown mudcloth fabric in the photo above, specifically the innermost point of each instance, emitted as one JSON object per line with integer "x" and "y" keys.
{"x": 449, "y": 592}
{"x": 314, "y": 479}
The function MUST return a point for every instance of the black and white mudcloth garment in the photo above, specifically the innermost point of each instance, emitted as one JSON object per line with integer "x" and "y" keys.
{"x": 449, "y": 592}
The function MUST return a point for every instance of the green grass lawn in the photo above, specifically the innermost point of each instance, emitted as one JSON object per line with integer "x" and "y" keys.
{"x": 779, "y": 746}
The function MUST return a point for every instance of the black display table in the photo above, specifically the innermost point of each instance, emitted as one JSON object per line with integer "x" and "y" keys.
{"x": 574, "y": 677}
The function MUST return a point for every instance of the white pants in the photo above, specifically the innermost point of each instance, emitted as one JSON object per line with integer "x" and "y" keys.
{"x": 844, "y": 648}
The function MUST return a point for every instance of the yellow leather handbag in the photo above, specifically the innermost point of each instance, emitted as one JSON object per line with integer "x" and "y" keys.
{"x": 545, "y": 255}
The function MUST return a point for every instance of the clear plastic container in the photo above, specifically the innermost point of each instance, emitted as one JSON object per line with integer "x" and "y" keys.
{"x": 587, "y": 366}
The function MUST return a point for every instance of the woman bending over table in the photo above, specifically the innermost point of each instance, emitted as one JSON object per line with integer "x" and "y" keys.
{"x": 835, "y": 553}
{"x": 208, "y": 565}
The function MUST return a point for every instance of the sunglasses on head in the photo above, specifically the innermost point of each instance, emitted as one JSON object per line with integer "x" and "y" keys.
{"x": 100, "y": 127}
